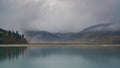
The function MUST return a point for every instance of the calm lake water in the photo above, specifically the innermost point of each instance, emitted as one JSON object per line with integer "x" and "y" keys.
{"x": 60, "y": 57}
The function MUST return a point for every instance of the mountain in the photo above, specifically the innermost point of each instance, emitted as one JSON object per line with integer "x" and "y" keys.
{"x": 44, "y": 36}
{"x": 41, "y": 36}
{"x": 8, "y": 37}
{"x": 103, "y": 27}
{"x": 101, "y": 33}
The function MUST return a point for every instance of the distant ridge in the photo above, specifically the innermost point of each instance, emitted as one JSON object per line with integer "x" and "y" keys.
{"x": 101, "y": 33}
{"x": 103, "y": 27}
{"x": 44, "y": 36}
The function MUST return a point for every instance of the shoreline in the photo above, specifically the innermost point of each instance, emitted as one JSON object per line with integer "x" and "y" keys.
{"x": 59, "y": 45}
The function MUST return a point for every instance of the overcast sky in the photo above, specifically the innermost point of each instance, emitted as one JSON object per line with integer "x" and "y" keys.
{"x": 57, "y": 15}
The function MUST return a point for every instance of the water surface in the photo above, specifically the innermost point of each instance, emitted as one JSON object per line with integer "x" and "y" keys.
{"x": 60, "y": 57}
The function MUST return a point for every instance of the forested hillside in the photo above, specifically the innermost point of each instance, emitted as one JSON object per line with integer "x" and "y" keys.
{"x": 11, "y": 37}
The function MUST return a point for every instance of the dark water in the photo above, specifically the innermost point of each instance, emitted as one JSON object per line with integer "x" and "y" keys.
{"x": 60, "y": 57}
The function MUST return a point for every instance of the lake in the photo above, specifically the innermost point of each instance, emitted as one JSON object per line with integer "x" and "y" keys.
{"x": 60, "y": 57}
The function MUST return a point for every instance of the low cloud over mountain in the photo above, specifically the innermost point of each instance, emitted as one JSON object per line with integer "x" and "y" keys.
{"x": 57, "y": 15}
{"x": 101, "y": 33}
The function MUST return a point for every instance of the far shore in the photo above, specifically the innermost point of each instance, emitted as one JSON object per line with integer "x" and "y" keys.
{"x": 59, "y": 44}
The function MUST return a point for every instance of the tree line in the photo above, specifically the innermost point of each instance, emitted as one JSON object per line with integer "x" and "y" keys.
{"x": 11, "y": 37}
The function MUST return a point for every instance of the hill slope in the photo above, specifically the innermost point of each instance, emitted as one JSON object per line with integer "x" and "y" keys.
{"x": 44, "y": 36}
{"x": 101, "y": 33}
{"x": 8, "y": 37}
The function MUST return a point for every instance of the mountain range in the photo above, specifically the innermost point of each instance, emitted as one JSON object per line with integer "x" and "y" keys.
{"x": 101, "y": 33}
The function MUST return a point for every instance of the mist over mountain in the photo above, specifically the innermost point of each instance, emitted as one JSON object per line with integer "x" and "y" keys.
{"x": 101, "y": 33}
{"x": 103, "y": 27}
{"x": 54, "y": 20}
{"x": 57, "y": 15}
{"x": 44, "y": 36}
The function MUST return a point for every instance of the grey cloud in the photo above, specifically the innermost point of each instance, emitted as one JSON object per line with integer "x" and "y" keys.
{"x": 57, "y": 15}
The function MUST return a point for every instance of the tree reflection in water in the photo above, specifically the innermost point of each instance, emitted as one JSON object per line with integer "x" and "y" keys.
{"x": 11, "y": 52}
